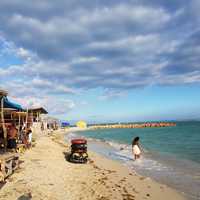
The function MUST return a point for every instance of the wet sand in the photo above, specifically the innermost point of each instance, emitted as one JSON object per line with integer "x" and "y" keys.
{"x": 45, "y": 174}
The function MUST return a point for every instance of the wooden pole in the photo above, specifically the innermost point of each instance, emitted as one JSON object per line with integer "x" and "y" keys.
{"x": 26, "y": 118}
{"x": 3, "y": 124}
{"x": 19, "y": 124}
{"x": 37, "y": 117}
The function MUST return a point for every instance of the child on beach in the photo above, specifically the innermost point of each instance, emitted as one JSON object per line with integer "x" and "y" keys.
{"x": 29, "y": 137}
{"x": 136, "y": 148}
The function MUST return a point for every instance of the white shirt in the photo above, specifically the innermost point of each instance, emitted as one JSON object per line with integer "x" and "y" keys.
{"x": 30, "y": 137}
{"x": 136, "y": 150}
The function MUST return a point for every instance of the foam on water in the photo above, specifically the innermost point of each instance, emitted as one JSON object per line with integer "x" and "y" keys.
{"x": 124, "y": 152}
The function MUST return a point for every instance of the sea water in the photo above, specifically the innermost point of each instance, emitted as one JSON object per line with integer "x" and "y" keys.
{"x": 171, "y": 155}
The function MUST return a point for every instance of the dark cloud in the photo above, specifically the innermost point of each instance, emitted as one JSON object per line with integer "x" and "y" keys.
{"x": 74, "y": 45}
{"x": 186, "y": 58}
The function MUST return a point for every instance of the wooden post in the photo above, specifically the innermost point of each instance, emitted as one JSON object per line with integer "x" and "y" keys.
{"x": 26, "y": 118}
{"x": 39, "y": 117}
{"x": 3, "y": 124}
{"x": 19, "y": 124}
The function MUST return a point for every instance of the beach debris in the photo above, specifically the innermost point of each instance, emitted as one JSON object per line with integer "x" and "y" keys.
{"x": 142, "y": 178}
{"x": 103, "y": 198}
{"x": 128, "y": 196}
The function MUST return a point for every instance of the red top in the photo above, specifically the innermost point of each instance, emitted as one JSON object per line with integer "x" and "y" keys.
{"x": 79, "y": 141}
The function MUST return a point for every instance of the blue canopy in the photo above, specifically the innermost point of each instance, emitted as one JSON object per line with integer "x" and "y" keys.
{"x": 65, "y": 124}
{"x": 8, "y": 104}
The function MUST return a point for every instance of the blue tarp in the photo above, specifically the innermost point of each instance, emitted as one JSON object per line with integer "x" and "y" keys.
{"x": 8, "y": 104}
{"x": 65, "y": 124}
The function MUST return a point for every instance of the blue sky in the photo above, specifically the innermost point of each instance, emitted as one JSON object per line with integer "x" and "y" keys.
{"x": 103, "y": 60}
{"x": 149, "y": 103}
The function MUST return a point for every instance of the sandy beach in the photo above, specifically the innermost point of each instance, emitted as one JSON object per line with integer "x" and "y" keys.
{"x": 45, "y": 174}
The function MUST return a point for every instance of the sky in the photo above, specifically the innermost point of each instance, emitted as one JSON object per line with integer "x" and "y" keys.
{"x": 103, "y": 61}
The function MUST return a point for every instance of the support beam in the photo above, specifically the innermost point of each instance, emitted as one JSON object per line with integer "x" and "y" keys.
{"x": 3, "y": 123}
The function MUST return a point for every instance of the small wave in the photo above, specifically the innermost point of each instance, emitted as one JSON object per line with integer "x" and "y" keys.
{"x": 123, "y": 152}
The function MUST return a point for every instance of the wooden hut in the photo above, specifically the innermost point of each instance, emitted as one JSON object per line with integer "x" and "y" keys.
{"x": 36, "y": 120}
{"x": 8, "y": 161}
{"x": 36, "y": 112}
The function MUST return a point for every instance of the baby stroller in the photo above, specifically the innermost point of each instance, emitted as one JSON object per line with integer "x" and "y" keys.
{"x": 78, "y": 151}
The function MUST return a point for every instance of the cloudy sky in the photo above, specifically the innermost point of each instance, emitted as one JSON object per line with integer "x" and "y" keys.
{"x": 103, "y": 60}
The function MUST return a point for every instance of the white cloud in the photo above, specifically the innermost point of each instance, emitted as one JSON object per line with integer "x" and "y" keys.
{"x": 112, "y": 94}
{"x": 143, "y": 15}
{"x": 69, "y": 46}
{"x": 52, "y": 104}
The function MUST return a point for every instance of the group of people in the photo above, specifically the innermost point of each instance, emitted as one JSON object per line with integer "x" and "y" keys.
{"x": 14, "y": 136}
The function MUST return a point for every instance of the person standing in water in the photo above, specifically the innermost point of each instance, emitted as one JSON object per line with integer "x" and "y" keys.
{"x": 136, "y": 148}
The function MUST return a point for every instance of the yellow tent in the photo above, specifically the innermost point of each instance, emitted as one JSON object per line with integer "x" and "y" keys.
{"x": 81, "y": 124}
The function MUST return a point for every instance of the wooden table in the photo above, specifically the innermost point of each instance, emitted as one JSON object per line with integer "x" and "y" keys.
{"x": 9, "y": 162}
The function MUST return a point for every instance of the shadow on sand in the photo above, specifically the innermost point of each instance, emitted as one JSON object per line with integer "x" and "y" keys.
{"x": 66, "y": 155}
{"x": 27, "y": 196}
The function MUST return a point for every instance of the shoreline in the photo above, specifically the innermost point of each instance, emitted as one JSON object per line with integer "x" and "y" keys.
{"x": 119, "y": 162}
{"x": 45, "y": 174}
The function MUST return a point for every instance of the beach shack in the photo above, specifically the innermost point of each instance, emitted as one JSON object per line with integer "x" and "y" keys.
{"x": 9, "y": 161}
{"x": 35, "y": 119}
{"x": 36, "y": 113}
{"x": 52, "y": 122}
{"x": 81, "y": 124}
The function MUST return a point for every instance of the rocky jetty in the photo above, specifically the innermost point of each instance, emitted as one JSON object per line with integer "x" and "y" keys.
{"x": 134, "y": 125}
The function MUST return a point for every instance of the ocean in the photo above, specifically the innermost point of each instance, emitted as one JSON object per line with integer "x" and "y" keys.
{"x": 171, "y": 154}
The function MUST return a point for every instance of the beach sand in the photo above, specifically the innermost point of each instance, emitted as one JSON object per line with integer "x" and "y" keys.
{"x": 45, "y": 174}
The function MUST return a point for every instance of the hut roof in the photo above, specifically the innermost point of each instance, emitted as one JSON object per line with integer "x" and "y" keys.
{"x": 11, "y": 106}
{"x": 40, "y": 110}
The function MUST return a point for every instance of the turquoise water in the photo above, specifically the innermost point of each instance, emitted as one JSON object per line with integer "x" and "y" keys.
{"x": 171, "y": 154}
{"x": 182, "y": 140}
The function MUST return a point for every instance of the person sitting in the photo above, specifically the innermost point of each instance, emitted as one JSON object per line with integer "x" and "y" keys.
{"x": 12, "y": 137}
